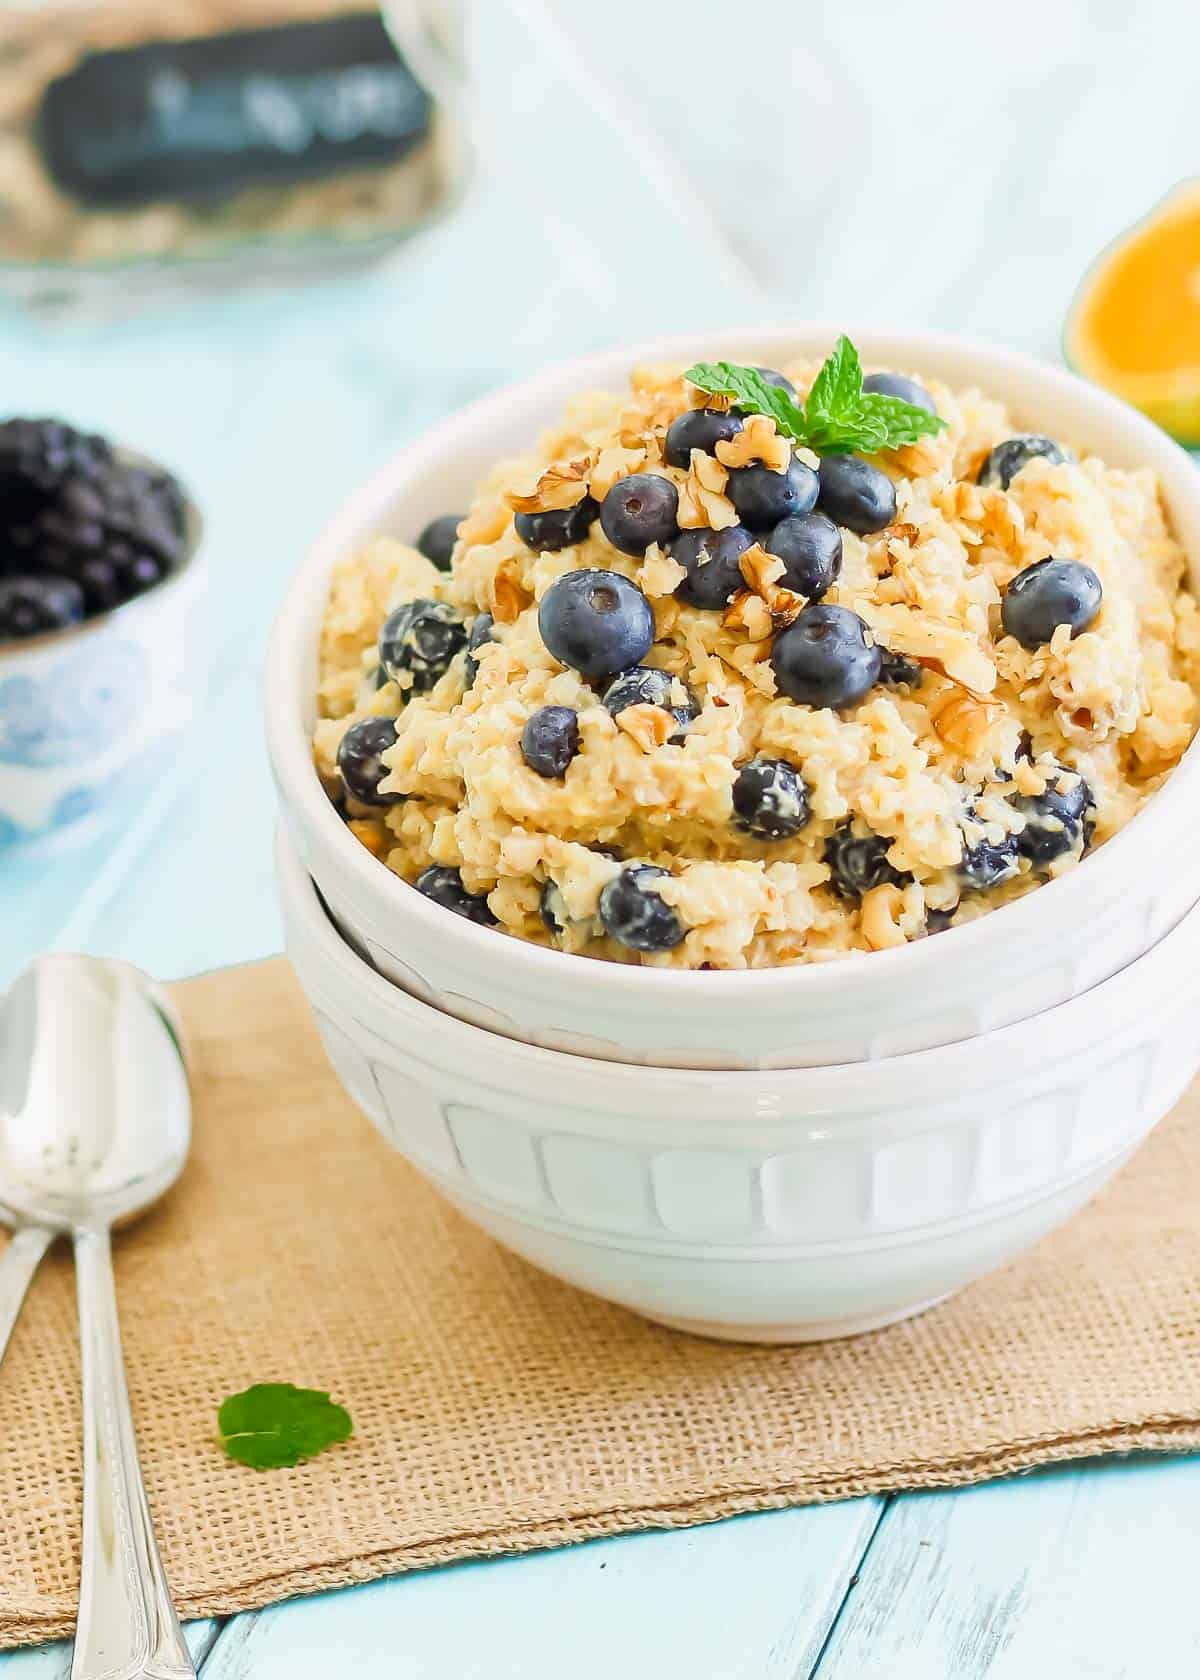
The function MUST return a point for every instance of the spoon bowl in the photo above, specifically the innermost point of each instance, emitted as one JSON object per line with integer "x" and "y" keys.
{"x": 95, "y": 1123}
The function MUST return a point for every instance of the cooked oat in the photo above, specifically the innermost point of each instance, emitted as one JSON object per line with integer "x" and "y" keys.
{"x": 938, "y": 768}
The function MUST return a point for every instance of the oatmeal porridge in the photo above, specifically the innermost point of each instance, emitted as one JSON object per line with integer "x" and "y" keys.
{"x": 722, "y": 675}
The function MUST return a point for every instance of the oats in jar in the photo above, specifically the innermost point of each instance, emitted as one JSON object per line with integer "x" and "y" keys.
{"x": 740, "y": 668}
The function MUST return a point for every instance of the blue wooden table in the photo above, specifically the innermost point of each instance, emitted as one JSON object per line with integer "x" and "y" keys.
{"x": 648, "y": 167}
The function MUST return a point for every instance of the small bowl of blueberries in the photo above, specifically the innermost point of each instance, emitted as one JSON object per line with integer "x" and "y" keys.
{"x": 97, "y": 544}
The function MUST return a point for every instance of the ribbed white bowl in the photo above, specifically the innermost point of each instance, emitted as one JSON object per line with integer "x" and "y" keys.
{"x": 781, "y": 1206}
{"x": 1049, "y": 946}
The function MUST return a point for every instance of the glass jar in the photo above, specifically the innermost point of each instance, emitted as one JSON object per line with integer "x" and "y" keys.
{"x": 170, "y": 141}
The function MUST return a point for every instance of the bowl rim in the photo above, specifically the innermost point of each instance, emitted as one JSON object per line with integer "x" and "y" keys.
{"x": 51, "y": 640}
{"x": 889, "y": 1085}
{"x": 1071, "y": 895}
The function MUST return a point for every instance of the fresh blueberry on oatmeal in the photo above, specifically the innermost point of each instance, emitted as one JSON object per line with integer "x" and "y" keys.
{"x": 597, "y": 622}
{"x": 638, "y": 511}
{"x": 482, "y": 632}
{"x": 763, "y": 496}
{"x": 899, "y": 385}
{"x": 638, "y": 916}
{"x": 643, "y": 685}
{"x": 855, "y": 494}
{"x": 1058, "y": 822}
{"x": 1005, "y": 460}
{"x": 826, "y": 658}
{"x": 550, "y": 740}
{"x": 702, "y": 429}
{"x": 444, "y": 886}
{"x": 770, "y": 799}
{"x": 803, "y": 731}
{"x": 810, "y": 546}
{"x": 556, "y": 528}
{"x": 1048, "y": 595}
{"x": 360, "y": 759}
{"x": 711, "y": 560}
{"x": 437, "y": 540}
{"x": 858, "y": 862}
{"x": 418, "y": 642}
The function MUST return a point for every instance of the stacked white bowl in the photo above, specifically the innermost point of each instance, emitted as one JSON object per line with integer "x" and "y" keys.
{"x": 779, "y": 1155}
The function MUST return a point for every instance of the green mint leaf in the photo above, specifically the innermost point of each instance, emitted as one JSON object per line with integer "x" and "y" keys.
{"x": 273, "y": 1426}
{"x": 837, "y": 389}
{"x": 750, "y": 391}
{"x": 838, "y": 416}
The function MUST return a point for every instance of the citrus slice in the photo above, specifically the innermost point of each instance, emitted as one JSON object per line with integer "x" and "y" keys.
{"x": 1134, "y": 324}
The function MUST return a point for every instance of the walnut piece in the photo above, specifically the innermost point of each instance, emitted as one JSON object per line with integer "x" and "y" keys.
{"x": 561, "y": 485}
{"x": 649, "y": 726}
{"x": 962, "y": 720}
{"x": 758, "y": 440}
{"x": 881, "y": 909}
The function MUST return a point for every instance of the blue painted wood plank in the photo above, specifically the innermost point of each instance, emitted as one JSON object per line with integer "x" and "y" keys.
{"x": 747, "y": 1599}
{"x": 53, "y": 1662}
{"x": 1087, "y": 1572}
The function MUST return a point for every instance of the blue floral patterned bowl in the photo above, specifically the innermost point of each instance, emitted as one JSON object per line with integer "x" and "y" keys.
{"x": 88, "y": 714}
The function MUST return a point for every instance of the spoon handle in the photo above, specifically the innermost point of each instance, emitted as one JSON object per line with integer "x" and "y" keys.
{"x": 127, "y": 1622}
{"x": 18, "y": 1263}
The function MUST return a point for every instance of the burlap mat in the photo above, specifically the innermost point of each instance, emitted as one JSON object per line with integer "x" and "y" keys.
{"x": 496, "y": 1410}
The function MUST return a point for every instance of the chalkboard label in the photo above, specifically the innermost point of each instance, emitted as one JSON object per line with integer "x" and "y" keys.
{"x": 206, "y": 117}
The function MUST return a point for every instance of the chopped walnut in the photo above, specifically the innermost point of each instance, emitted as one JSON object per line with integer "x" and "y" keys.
{"x": 372, "y": 834}
{"x": 761, "y": 572}
{"x": 659, "y": 574}
{"x": 509, "y": 598}
{"x": 750, "y": 613}
{"x": 562, "y": 485}
{"x": 612, "y": 464}
{"x": 649, "y": 726}
{"x": 962, "y": 720}
{"x": 702, "y": 504}
{"x": 881, "y": 909}
{"x": 758, "y": 440}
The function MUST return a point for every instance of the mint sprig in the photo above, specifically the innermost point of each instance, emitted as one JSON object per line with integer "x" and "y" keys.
{"x": 273, "y": 1426}
{"x": 837, "y": 417}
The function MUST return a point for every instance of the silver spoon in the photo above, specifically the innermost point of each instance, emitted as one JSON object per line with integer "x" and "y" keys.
{"x": 95, "y": 1122}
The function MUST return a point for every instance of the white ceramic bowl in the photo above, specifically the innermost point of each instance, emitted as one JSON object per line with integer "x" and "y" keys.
{"x": 784, "y": 1206}
{"x": 1031, "y": 955}
{"x": 89, "y": 716}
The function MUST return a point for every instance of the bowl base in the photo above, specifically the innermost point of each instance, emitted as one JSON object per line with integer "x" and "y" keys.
{"x": 823, "y": 1330}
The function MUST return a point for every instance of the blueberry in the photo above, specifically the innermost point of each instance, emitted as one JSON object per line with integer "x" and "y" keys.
{"x": 896, "y": 670}
{"x": 710, "y": 559}
{"x": 635, "y": 915}
{"x": 774, "y": 377}
{"x": 898, "y": 385}
{"x": 437, "y": 540}
{"x": 596, "y": 622}
{"x": 1056, "y": 823}
{"x": 550, "y": 740}
{"x": 445, "y": 887}
{"x": 557, "y": 528}
{"x": 481, "y": 631}
{"x": 825, "y": 659}
{"x": 31, "y": 606}
{"x": 360, "y": 761}
{"x": 703, "y": 429}
{"x": 640, "y": 510}
{"x": 856, "y": 494}
{"x": 1047, "y": 594}
{"x": 858, "y": 862}
{"x": 1004, "y": 462}
{"x": 643, "y": 685}
{"x": 763, "y": 496}
{"x": 552, "y": 909}
{"x": 810, "y": 546}
{"x": 421, "y": 638}
{"x": 770, "y": 799}
{"x": 986, "y": 864}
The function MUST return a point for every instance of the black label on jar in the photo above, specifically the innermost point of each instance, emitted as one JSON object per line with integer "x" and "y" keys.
{"x": 206, "y": 117}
